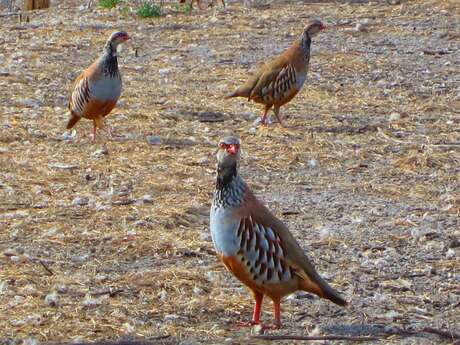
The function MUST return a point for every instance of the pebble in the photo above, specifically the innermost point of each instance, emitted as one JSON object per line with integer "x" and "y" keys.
{"x": 30, "y": 341}
{"x": 380, "y": 263}
{"x": 3, "y": 287}
{"x": 61, "y": 288}
{"x": 205, "y": 236}
{"x": 257, "y": 122}
{"x": 128, "y": 328}
{"x": 163, "y": 71}
{"x": 30, "y": 103}
{"x": 450, "y": 254}
{"x": 80, "y": 201}
{"x": 78, "y": 259}
{"x": 326, "y": 233}
{"x": 90, "y": 302}
{"x": 30, "y": 290}
{"x": 395, "y": 117}
{"x": 162, "y": 295}
{"x": 257, "y": 330}
{"x": 154, "y": 140}
{"x": 100, "y": 152}
{"x": 18, "y": 258}
{"x": 63, "y": 166}
{"x": 203, "y": 160}
{"x": 198, "y": 291}
{"x": 10, "y": 252}
{"x": 362, "y": 26}
{"x": 171, "y": 317}
{"x": 312, "y": 163}
{"x": 248, "y": 116}
{"x": 391, "y": 314}
{"x": 52, "y": 299}
{"x": 147, "y": 199}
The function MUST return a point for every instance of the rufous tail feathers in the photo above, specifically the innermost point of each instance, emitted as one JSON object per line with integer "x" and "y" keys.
{"x": 73, "y": 120}
{"x": 323, "y": 289}
{"x": 238, "y": 93}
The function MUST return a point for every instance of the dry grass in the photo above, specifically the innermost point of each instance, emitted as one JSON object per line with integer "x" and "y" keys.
{"x": 376, "y": 204}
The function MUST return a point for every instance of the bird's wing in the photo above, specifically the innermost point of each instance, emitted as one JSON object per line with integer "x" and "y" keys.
{"x": 80, "y": 96}
{"x": 293, "y": 255}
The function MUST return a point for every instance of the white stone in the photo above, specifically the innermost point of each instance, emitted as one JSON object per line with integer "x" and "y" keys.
{"x": 52, "y": 299}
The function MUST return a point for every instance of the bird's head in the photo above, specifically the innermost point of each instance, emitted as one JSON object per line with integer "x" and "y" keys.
{"x": 228, "y": 152}
{"x": 118, "y": 37}
{"x": 314, "y": 27}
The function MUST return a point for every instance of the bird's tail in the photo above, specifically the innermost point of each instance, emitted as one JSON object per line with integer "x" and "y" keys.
{"x": 319, "y": 287}
{"x": 333, "y": 295}
{"x": 238, "y": 93}
{"x": 73, "y": 120}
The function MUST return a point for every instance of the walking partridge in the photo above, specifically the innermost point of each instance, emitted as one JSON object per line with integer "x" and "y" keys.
{"x": 279, "y": 80}
{"x": 255, "y": 245}
{"x": 98, "y": 88}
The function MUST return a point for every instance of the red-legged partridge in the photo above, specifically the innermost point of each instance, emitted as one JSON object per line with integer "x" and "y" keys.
{"x": 279, "y": 80}
{"x": 98, "y": 87}
{"x": 255, "y": 245}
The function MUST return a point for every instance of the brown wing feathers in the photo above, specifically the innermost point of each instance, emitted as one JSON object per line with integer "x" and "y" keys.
{"x": 80, "y": 96}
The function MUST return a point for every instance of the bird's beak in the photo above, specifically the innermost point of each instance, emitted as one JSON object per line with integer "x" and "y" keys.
{"x": 232, "y": 149}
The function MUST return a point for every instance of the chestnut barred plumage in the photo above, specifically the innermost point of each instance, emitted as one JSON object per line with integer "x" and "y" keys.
{"x": 98, "y": 88}
{"x": 255, "y": 245}
{"x": 279, "y": 80}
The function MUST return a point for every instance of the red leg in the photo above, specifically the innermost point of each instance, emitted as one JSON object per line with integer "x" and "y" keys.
{"x": 282, "y": 123}
{"x": 277, "y": 114}
{"x": 256, "y": 313}
{"x": 263, "y": 121}
{"x": 93, "y": 135}
{"x": 257, "y": 308}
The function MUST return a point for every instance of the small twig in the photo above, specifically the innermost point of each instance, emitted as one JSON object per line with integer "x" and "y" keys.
{"x": 436, "y": 52}
{"x": 445, "y": 334}
{"x": 302, "y": 316}
{"x": 324, "y": 337}
{"x": 9, "y": 14}
{"x": 47, "y": 269}
{"x": 106, "y": 292}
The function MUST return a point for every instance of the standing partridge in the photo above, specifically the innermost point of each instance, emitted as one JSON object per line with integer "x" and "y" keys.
{"x": 279, "y": 80}
{"x": 255, "y": 245}
{"x": 98, "y": 88}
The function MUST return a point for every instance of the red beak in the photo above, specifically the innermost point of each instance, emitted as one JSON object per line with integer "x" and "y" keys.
{"x": 232, "y": 149}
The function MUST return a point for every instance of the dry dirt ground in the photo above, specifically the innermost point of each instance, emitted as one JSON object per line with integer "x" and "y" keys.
{"x": 110, "y": 240}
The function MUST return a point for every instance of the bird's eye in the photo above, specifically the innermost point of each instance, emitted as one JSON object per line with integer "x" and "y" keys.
{"x": 222, "y": 145}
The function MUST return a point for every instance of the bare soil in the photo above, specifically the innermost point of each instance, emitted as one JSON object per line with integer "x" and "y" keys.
{"x": 110, "y": 240}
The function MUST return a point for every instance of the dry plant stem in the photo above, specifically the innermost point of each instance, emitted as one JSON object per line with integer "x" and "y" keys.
{"x": 445, "y": 334}
{"x": 149, "y": 341}
{"x": 307, "y": 338}
{"x": 47, "y": 269}
{"x": 400, "y": 332}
